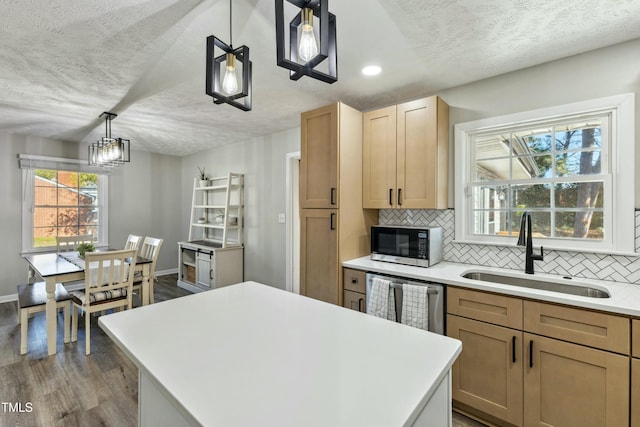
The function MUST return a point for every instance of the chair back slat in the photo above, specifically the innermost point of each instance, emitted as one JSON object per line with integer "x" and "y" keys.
{"x": 70, "y": 243}
{"x": 133, "y": 242}
{"x": 109, "y": 271}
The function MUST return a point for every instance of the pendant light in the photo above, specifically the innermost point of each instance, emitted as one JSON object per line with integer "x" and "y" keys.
{"x": 109, "y": 151}
{"x": 225, "y": 88}
{"x": 311, "y": 40}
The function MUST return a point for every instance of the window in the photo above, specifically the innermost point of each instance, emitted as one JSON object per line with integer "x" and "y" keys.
{"x": 571, "y": 167}
{"x": 61, "y": 202}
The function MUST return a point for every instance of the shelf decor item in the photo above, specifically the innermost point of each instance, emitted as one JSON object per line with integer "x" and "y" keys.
{"x": 84, "y": 248}
{"x": 305, "y": 53}
{"x": 204, "y": 182}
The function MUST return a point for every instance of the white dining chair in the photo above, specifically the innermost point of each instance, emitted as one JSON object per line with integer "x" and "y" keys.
{"x": 133, "y": 242}
{"x": 70, "y": 243}
{"x": 150, "y": 250}
{"x": 32, "y": 298}
{"x": 108, "y": 284}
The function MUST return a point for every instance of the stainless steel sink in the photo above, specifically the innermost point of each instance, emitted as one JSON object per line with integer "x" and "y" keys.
{"x": 565, "y": 288}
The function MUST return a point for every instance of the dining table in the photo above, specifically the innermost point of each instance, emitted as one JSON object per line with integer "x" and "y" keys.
{"x": 64, "y": 267}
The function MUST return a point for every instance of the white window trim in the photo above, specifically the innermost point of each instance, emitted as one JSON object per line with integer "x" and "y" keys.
{"x": 622, "y": 224}
{"x": 28, "y": 175}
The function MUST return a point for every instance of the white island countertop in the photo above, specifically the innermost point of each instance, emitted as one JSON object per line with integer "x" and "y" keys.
{"x": 253, "y": 355}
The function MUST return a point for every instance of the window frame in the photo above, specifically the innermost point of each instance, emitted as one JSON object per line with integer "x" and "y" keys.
{"x": 619, "y": 205}
{"x": 29, "y": 164}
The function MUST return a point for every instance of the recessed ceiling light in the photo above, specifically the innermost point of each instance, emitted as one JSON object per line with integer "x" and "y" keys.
{"x": 371, "y": 70}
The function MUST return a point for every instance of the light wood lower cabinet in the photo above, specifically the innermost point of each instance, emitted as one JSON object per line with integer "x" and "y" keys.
{"x": 319, "y": 254}
{"x": 635, "y": 392}
{"x": 488, "y": 373}
{"x": 355, "y": 289}
{"x": 514, "y": 376}
{"x": 567, "y": 385}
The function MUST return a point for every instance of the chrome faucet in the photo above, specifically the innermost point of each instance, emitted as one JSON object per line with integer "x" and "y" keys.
{"x": 525, "y": 239}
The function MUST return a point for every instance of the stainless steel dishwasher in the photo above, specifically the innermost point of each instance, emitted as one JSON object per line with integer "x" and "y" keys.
{"x": 435, "y": 293}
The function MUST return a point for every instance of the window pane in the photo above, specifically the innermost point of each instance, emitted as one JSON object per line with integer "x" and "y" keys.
{"x": 531, "y": 196}
{"x": 579, "y": 194}
{"x": 528, "y": 167}
{"x": 490, "y": 197}
{"x": 67, "y": 196}
{"x": 87, "y": 216}
{"x": 581, "y": 225}
{"x": 578, "y": 136}
{"x": 532, "y": 141}
{"x": 540, "y": 223}
{"x": 578, "y": 163}
{"x": 490, "y": 223}
{"x": 45, "y": 217}
{"x": 491, "y": 146}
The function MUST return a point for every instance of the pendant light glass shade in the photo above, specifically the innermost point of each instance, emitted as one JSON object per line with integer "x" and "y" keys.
{"x": 310, "y": 43}
{"x": 109, "y": 151}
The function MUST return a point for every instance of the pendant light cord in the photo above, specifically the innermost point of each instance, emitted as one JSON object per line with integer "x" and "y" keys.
{"x": 230, "y": 26}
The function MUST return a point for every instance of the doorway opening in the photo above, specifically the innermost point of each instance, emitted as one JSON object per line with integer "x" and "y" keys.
{"x": 293, "y": 223}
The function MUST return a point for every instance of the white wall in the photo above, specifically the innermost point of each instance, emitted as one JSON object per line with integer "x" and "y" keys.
{"x": 600, "y": 73}
{"x": 263, "y": 161}
{"x": 143, "y": 196}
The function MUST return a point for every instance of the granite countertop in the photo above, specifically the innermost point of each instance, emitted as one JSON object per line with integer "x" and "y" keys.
{"x": 625, "y": 297}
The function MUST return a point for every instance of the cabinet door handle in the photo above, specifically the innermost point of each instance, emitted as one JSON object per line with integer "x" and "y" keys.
{"x": 210, "y": 274}
{"x": 332, "y": 224}
{"x": 531, "y": 353}
{"x": 513, "y": 349}
{"x": 354, "y": 280}
{"x": 391, "y": 197}
{"x": 359, "y": 304}
{"x": 399, "y": 196}
{"x": 332, "y": 196}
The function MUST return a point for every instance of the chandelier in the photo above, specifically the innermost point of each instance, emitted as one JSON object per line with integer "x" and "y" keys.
{"x": 108, "y": 151}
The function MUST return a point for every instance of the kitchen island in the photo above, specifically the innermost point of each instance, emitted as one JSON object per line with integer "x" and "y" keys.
{"x": 253, "y": 355}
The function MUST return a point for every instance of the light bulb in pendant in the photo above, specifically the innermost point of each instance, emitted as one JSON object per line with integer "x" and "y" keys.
{"x": 230, "y": 81}
{"x": 308, "y": 45}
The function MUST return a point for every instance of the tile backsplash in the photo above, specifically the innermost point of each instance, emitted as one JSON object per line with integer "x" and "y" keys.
{"x": 616, "y": 268}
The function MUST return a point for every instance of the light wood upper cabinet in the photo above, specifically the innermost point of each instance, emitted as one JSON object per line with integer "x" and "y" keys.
{"x": 319, "y": 145}
{"x": 379, "y": 158}
{"x": 405, "y": 155}
{"x": 569, "y": 385}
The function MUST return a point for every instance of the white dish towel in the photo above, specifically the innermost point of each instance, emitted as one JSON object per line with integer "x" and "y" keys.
{"x": 415, "y": 306}
{"x": 381, "y": 301}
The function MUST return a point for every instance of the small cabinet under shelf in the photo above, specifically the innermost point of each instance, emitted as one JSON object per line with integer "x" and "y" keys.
{"x": 203, "y": 267}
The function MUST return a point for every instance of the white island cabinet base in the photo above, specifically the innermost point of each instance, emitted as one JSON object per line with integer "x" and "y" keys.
{"x": 252, "y": 355}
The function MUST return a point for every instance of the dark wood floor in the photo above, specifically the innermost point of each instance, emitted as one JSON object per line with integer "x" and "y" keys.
{"x": 71, "y": 389}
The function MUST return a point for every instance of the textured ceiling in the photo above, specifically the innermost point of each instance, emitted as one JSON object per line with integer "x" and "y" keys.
{"x": 63, "y": 63}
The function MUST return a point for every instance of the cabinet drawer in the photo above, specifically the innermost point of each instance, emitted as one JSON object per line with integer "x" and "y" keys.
{"x": 599, "y": 330}
{"x": 355, "y": 301}
{"x": 355, "y": 280}
{"x": 491, "y": 308}
{"x": 635, "y": 339}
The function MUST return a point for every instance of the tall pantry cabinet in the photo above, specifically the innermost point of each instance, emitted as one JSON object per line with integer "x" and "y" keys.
{"x": 333, "y": 225}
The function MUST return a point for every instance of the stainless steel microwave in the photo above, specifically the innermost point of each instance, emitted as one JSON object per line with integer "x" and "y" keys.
{"x": 420, "y": 246}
